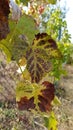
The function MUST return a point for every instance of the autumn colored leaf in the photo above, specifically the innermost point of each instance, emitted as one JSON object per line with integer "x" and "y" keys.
{"x": 47, "y": 96}
{"x": 4, "y": 12}
{"x": 37, "y": 63}
{"x": 27, "y": 94}
{"x": 39, "y": 56}
{"x": 26, "y": 104}
{"x": 35, "y": 96}
{"x": 43, "y": 39}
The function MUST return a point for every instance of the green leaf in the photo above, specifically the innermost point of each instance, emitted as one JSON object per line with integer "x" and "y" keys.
{"x": 25, "y": 2}
{"x": 51, "y": 122}
{"x": 6, "y": 51}
{"x": 52, "y": 1}
{"x": 19, "y": 48}
{"x": 56, "y": 101}
{"x": 24, "y": 89}
{"x": 20, "y": 37}
{"x": 26, "y": 26}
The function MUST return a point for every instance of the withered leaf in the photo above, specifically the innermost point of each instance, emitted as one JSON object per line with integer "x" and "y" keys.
{"x": 26, "y": 104}
{"x": 4, "y": 12}
{"x": 45, "y": 98}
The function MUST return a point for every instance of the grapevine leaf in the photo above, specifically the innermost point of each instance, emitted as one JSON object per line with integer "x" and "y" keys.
{"x": 23, "y": 89}
{"x": 47, "y": 96}
{"x": 30, "y": 96}
{"x": 39, "y": 56}
{"x": 4, "y": 12}
{"x": 26, "y": 26}
{"x": 56, "y": 101}
{"x": 37, "y": 63}
{"x": 51, "y": 122}
{"x": 6, "y": 50}
{"x": 26, "y": 104}
{"x": 23, "y": 35}
{"x": 20, "y": 36}
{"x": 19, "y": 47}
{"x": 27, "y": 94}
{"x": 15, "y": 50}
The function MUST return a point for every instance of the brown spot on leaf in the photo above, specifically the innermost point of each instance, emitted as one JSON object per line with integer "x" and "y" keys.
{"x": 45, "y": 99}
{"x": 52, "y": 43}
{"x": 26, "y": 104}
{"x": 47, "y": 96}
{"x": 41, "y": 35}
{"x": 39, "y": 56}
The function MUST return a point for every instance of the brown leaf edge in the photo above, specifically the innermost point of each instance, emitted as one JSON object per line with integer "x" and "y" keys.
{"x": 44, "y": 100}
